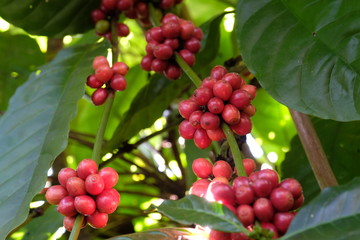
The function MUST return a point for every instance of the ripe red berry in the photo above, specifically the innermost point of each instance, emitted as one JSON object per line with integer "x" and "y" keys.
{"x": 262, "y": 187}
{"x": 68, "y": 223}
{"x": 163, "y": 51}
{"x": 222, "y": 169}
{"x": 215, "y": 134}
{"x": 246, "y": 215}
{"x": 107, "y": 201}
{"x": 120, "y": 68}
{"x": 75, "y": 186}
{"x": 249, "y": 110}
{"x": 188, "y": 56}
{"x": 215, "y": 105}
{"x": 186, "y": 29}
{"x": 263, "y": 209}
{"x": 110, "y": 177}
{"x": 220, "y": 192}
{"x": 159, "y": 65}
{"x": 92, "y": 82}
{"x": 156, "y": 34}
{"x": 293, "y": 186}
{"x": 99, "y": 61}
{"x": 94, "y": 184}
{"x": 97, "y": 219}
{"x": 146, "y": 63}
{"x": 172, "y": 72}
{"x": 249, "y": 165}
{"x": 131, "y": 13}
{"x": 169, "y": 17}
{"x": 199, "y": 187}
{"x": 243, "y": 127}
{"x": 298, "y": 202}
{"x": 201, "y": 139}
{"x": 109, "y": 5}
{"x": 150, "y": 48}
{"x": 230, "y": 114}
{"x": 282, "y": 199}
{"x": 209, "y": 121}
{"x": 124, "y": 5}
{"x": 86, "y": 167}
{"x": 218, "y": 72}
{"x": 187, "y": 107}
{"x": 208, "y": 82}
{"x": 123, "y": 30}
{"x": 221, "y": 179}
{"x": 166, "y": 4}
{"x": 193, "y": 45}
{"x": 85, "y": 204}
{"x": 65, "y": 174}
{"x": 118, "y": 82}
{"x": 171, "y": 29}
{"x": 142, "y": 10}
{"x": 195, "y": 118}
{"x": 270, "y": 175}
{"x": 66, "y": 206}
{"x": 55, "y": 193}
{"x": 222, "y": 90}
{"x": 234, "y": 79}
{"x": 186, "y": 130}
{"x": 97, "y": 15}
{"x": 239, "y": 181}
{"x": 202, "y": 95}
{"x": 172, "y": 42}
{"x": 251, "y": 89}
{"x": 103, "y": 73}
{"x": 244, "y": 194}
{"x": 99, "y": 96}
{"x": 239, "y": 236}
{"x": 271, "y": 227}
{"x": 240, "y": 99}
{"x": 217, "y": 235}
{"x": 198, "y": 33}
{"x": 202, "y": 167}
{"x": 282, "y": 221}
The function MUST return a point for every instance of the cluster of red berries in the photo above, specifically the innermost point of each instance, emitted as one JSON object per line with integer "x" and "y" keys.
{"x": 174, "y": 35}
{"x": 106, "y": 79}
{"x": 221, "y": 97}
{"x": 260, "y": 197}
{"x": 85, "y": 191}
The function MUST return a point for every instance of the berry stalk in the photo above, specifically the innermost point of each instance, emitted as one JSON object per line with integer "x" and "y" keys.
{"x": 77, "y": 227}
{"x": 314, "y": 150}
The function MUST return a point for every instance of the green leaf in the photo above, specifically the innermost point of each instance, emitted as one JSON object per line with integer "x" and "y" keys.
{"x": 147, "y": 106}
{"x": 340, "y": 141}
{"x": 304, "y": 53}
{"x": 196, "y": 210}
{"x": 55, "y": 18}
{"x": 23, "y": 55}
{"x": 34, "y": 129}
{"x": 165, "y": 234}
{"x": 334, "y": 215}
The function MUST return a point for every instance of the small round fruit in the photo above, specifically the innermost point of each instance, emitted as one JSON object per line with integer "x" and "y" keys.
{"x": 123, "y": 30}
{"x": 163, "y": 52}
{"x": 244, "y": 194}
{"x": 110, "y": 177}
{"x": 271, "y": 227}
{"x": 193, "y": 45}
{"x": 218, "y": 72}
{"x": 94, "y": 184}
{"x": 263, "y": 209}
{"x": 199, "y": 187}
{"x": 251, "y": 89}
{"x": 97, "y": 219}
{"x": 92, "y": 82}
{"x": 195, "y": 118}
{"x": 198, "y": 33}
{"x": 99, "y": 96}
{"x": 107, "y": 201}
{"x": 246, "y": 215}
{"x": 172, "y": 72}
{"x": 222, "y": 169}
{"x": 97, "y": 15}
{"x": 262, "y": 187}
{"x": 75, "y": 186}
{"x": 230, "y": 114}
{"x": 120, "y": 68}
{"x": 65, "y": 174}
{"x": 282, "y": 199}
{"x": 186, "y": 29}
{"x": 146, "y": 63}
{"x": 118, "y": 82}
{"x": 239, "y": 181}
{"x": 156, "y": 34}
{"x": 99, "y": 61}
{"x": 66, "y": 206}
{"x": 202, "y": 95}
{"x": 86, "y": 167}
{"x": 243, "y": 127}
{"x": 240, "y": 98}
{"x": 222, "y": 90}
{"x": 217, "y": 235}
{"x": 249, "y": 165}
{"x": 215, "y": 105}
{"x": 216, "y": 134}
{"x": 270, "y": 175}
{"x": 220, "y": 192}
{"x": 282, "y": 221}
{"x": 171, "y": 29}
{"x": 234, "y": 79}
{"x": 55, "y": 193}
{"x": 202, "y": 167}
{"x": 103, "y": 73}
{"x": 187, "y": 56}
{"x": 293, "y": 186}
{"x": 187, "y": 107}
{"x": 85, "y": 205}
{"x": 201, "y": 139}
{"x": 186, "y": 130}
{"x": 209, "y": 121}
{"x": 68, "y": 223}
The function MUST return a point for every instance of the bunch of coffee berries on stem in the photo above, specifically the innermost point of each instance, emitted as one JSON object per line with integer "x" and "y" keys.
{"x": 259, "y": 198}
{"x": 106, "y": 79}
{"x": 173, "y": 35}
{"x": 222, "y": 97}
{"x": 85, "y": 191}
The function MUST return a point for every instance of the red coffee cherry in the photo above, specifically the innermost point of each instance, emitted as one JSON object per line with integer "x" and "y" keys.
{"x": 202, "y": 167}
{"x": 199, "y": 187}
{"x": 156, "y": 34}
{"x": 172, "y": 42}
{"x": 243, "y": 127}
{"x": 298, "y": 202}
{"x": 94, "y": 184}
{"x": 110, "y": 177}
{"x": 75, "y": 186}
{"x": 109, "y": 5}
{"x": 222, "y": 90}
{"x": 209, "y": 121}
{"x": 282, "y": 221}
{"x": 262, "y": 187}
{"x": 202, "y": 95}
{"x": 118, "y": 82}
{"x": 239, "y": 236}
{"x": 282, "y": 199}
{"x": 172, "y": 72}
{"x": 186, "y": 130}
{"x": 250, "y": 110}
{"x": 92, "y": 82}
{"x": 124, "y": 5}
{"x": 166, "y": 4}
{"x": 187, "y": 107}
{"x": 251, "y": 89}
{"x": 107, "y": 201}
{"x": 249, "y": 165}
{"x": 220, "y": 192}
{"x": 146, "y": 63}
{"x": 234, "y": 79}
{"x": 123, "y": 30}
{"x": 215, "y": 105}
{"x": 100, "y": 61}
{"x": 195, "y": 118}
{"x": 163, "y": 51}
{"x": 142, "y": 10}
{"x": 216, "y": 134}
{"x": 99, "y": 96}
{"x": 171, "y": 29}
{"x": 263, "y": 209}
{"x": 201, "y": 139}
{"x": 246, "y": 215}
{"x": 221, "y": 179}
{"x": 240, "y": 98}
{"x": 244, "y": 194}
{"x": 239, "y": 181}
{"x": 68, "y": 223}
{"x": 150, "y": 48}
{"x": 218, "y": 72}
{"x": 169, "y": 17}
{"x": 103, "y": 73}
{"x": 97, "y": 15}
{"x": 120, "y": 68}
{"x": 270, "y": 175}
{"x": 230, "y": 114}
{"x": 86, "y": 167}
{"x": 66, "y": 206}
{"x": 193, "y": 45}
{"x": 217, "y": 235}
{"x": 159, "y": 65}
{"x": 271, "y": 227}
{"x": 293, "y": 186}
{"x": 97, "y": 219}
{"x": 85, "y": 205}
{"x": 208, "y": 82}
{"x": 198, "y": 33}
{"x": 65, "y": 174}
{"x": 55, "y": 193}
{"x": 186, "y": 29}
{"x": 188, "y": 56}
{"x": 222, "y": 169}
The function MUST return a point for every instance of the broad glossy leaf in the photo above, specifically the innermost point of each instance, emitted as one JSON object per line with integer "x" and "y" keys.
{"x": 34, "y": 129}
{"x": 333, "y": 215}
{"x": 340, "y": 141}
{"x": 165, "y": 234}
{"x": 147, "y": 106}
{"x": 23, "y": 55}
{"x": 304, "y": 53}
{"x": 55, "y": 18}
{"x": 196, "y": 210}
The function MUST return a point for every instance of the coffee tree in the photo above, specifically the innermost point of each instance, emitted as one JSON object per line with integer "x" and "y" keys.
{"x": 179, "y": 119}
